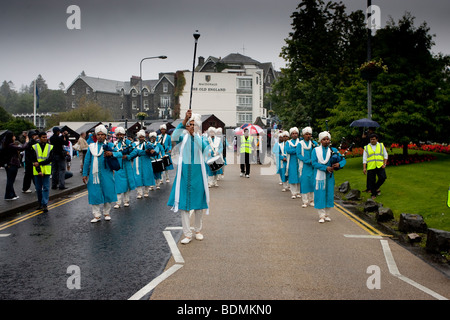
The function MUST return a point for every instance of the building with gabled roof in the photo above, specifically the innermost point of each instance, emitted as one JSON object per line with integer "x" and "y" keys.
{"x": 123, "y": 98}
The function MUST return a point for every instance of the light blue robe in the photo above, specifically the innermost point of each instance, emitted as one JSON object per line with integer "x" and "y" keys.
{"x": 105, "y": 191}
{"x": 209, "y": 153}
{"x": 293, "y": 174}
{"x": 124, "y": 178}
{"x": 143, "y": 174}
{"x": 159, "y": 153}
{"x": 281, "y": 165}
{"x": 324, "y": 198}
{"x": 192, "y": 191}
{"x": 307, "y": 178}
{"x": 167, "y": 144}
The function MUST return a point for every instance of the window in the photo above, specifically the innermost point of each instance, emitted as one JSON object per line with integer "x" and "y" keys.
{"x": 73, "y": 91}
{"x": 146, "y": 105}
{"x": 133, "y": 105}
{"x": 165, "y": 87}
{"x": 145, "y": 92}
{"x": 244, "y": 83}
{"x": 88, "y": 90}
{"x": 244, "y": 117}
{"x": 165, "y": 101}
{"x": 133, "y": 93}
{"x": 73, "y": 104}
{"x": 244, "y": 101}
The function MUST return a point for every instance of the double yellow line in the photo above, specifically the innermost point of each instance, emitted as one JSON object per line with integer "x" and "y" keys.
{"x": 361, "y": 223}
{"x": 38, "y": 212}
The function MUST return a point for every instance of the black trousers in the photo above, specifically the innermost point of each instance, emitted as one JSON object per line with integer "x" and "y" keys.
{"x": 28, "y": 177}
{"x": 245, "y": 163}
{"x": 372, "y": 183}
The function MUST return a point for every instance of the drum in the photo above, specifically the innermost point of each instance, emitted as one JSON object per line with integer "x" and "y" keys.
{"x": 215, "y": 163}
{"x": 158, "y": 165}
{"x": 166, "y": 160}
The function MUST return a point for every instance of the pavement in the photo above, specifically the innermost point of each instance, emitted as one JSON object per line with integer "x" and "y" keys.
{"x": 259, "y": 244}
{"x": 28, "y": 201}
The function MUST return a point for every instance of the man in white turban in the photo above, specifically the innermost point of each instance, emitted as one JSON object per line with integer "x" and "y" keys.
{"x": 292, "y": 163}
{"x": 166, "y": 142}
{"x": 190, "y": 188}
{"x": 304, "y": 152}
{"x": 124, "y": 178}
{"x": 98, "y": 176}
{"x": 325, "y": 160}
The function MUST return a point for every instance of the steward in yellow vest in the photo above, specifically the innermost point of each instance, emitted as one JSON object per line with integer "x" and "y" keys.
{"x": 374, "y": 161}
{"x": 245, "y": 150}
{"x": 42, "y": 169}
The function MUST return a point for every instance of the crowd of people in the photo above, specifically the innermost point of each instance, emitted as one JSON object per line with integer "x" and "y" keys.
{"x": 112, "y": 167}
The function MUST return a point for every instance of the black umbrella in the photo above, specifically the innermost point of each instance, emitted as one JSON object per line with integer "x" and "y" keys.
{"x": 364, "y": 123}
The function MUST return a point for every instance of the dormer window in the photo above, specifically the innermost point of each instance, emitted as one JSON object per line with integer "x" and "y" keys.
{"x": 88, "y": 90}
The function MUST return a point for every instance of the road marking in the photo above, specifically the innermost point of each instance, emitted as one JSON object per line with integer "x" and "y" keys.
{"x": 4, "y": 235}
{"x": 38, "y": 212}
{"x": 362, "y": 236}
{"x": 395, "y": 272}
{"x": 361, "y": 223}
{"x": 152, "y": 285}
{"x": 173, "y": 247}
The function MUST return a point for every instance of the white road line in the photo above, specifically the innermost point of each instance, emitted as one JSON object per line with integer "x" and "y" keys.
{"x": 395, "y": 272}
{"x": 362, "y": 236}
{"x": 4, "y": 235}
{"x": 152, "y": 285}
{"x": 173, "y": 247}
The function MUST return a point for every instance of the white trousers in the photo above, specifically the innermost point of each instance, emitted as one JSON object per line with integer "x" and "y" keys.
{"x": 295, "y": 188}
{"x": 323, "y": 212}
{"x": 123, "y": 196}
{"x": 308, "y": 197}
{"x": 186, "y": 222}
{"x": 96, "y": 209}
{"x": 212, "y": 180}
{"x": 142, "y": 190}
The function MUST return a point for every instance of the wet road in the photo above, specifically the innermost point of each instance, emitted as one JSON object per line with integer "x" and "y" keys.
{"x": 109, "y": 259}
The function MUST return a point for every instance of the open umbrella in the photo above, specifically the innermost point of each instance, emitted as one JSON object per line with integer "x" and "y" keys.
{"x": 364, "y": 123}
{"x": 252, "y": 129}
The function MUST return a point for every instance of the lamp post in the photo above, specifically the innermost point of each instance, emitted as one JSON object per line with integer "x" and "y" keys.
{"x": 196, "y": 36}
{"x": 140, "y": 77}
{"x": 369, "y": 56}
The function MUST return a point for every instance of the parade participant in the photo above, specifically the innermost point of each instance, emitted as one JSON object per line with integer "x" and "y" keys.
{"x": 190, "y": 188}
{"x": 123, "y": 178}
{"x": 292, "y": 163}
{"x": 159, "y": 153}
{"x": 246, "y": 148}
{"x": 374, "y": 163}
{"x": 323, "y": 174}
{"x": 213, "y": 149}
{"x": 304, "y": 150}
{"x": 98, "y": 176}
{"x": 225, "y": 145}
{"x": 281, "y": 158}
{"x": 42, "y": 169}
{"x": 143, "y": 171}
{"x": 165, "y": 140}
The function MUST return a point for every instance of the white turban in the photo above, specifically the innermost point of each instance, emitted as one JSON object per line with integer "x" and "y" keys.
{"x": 285, "y": 134}
{"x": 152, "y": 134}
{"x": 119, "y": 130}
{"x": 141, "y": 133}
{"x": 197, "y": 120}
{"x": 324, "y": 134}
{"x": 101, "y": 128}
{"x": 211, "y": 130}
{"x": 293, "y": 129}
{"x": 219, "y": 131}
{"x": 163, "y": 126}
{"x": 307, "y": 130}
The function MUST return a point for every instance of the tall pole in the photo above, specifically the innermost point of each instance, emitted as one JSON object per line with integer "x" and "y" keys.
{"x": 34, "y": 103}
{"x": 196, "y": 36}
{"x": 369, "y": 57}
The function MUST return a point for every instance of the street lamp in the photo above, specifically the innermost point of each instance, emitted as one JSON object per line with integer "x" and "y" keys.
{"x": 196, "y": 36}
{"x": 140, "y": 76}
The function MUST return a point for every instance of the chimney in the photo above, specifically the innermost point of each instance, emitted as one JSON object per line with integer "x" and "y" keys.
{"x": 134, "y": 80}
{"x": 201, "y": 61}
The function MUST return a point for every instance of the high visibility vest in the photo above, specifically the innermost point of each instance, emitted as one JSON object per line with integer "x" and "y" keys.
{"x": 246, "y": 144}
{"x": 375, "y": 159}
{"x": 41, "y": 156}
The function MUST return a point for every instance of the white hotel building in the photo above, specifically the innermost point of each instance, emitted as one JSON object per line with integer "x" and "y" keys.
{"x": 231, "y": 88}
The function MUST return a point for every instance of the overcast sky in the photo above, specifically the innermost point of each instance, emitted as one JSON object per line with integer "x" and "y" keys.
{"x": 115, "y": 35}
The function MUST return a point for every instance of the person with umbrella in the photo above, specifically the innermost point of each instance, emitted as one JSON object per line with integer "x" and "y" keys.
{"x": 374, "y": 163}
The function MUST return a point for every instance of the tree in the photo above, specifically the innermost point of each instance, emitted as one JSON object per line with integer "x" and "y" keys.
{"x": 411, "y": 102}
{"x": 321, "y": 52}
